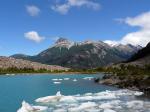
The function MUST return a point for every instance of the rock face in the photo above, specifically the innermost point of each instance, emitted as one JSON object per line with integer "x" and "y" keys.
{"x": 127, "y": 82}
{"x": 142, "y": 57}
{"x": 88, "y": 54}
{"x": 8, "y": 62}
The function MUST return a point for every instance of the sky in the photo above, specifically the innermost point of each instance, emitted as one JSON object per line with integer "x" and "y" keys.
{"x": 30, "y": 26}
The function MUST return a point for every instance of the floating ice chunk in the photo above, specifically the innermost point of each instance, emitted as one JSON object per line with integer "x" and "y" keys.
{"x": 135, "y": 104}
{"x": 109, "y": 110}
{"x": 83, "y": 106}
{"x": 106, "y": 106}
{"x": 55, "y": 79}
{"x": 123, "y": 92}
{"x": 105, "y": 95}
{"x": 28, "y": 108}
{"x": 88, "y": 94}
{"x": 66, "y": 78}
{"x": 48, "y": 99}
{"x": 57, "y": 82}
{"x": 88, "y": 78}
{"x": 106, "y": 101}
{"x": 93, "y": 110}
{"x": 84, "y": 98}
{"x": 10, "y": 74}
{"x": 74, "y": 80}
{"x": 97, "y": 96}
{"x": 138, "y": 93}
{"x": 111, "y": 104}
{"x": 58, "y": 93}
{"x": 60, "y": 110}
{"x": 68, "y": 99}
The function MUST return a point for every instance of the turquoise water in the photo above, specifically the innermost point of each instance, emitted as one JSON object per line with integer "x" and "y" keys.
{"x": 75, "y": 93}
{"x": 15, "y": 89}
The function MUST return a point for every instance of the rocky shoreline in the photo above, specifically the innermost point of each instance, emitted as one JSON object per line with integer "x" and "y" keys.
{"x": 136, "y": 83}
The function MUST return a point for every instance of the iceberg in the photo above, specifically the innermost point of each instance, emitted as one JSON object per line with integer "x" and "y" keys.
{"x": 28, "y": 108}
{"x": 105, "y": 101}
{"x": 109, "y": 110}
{"x": 88, "y": 78}
{"x": 83, "y": 106}
{"x": 66, "y": 78}
{"x": 57, "y": 82}
{"x": 135, "y": 104}
{"x": 68, "y": 99}
{"x": 138, "y": 93}
{"x": 74, "y": 80}
{"x": 48, "y": 99}
{"x": 55, "y": 79}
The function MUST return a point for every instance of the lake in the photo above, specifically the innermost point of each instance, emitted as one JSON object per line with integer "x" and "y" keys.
{"x": 75, "y": 93}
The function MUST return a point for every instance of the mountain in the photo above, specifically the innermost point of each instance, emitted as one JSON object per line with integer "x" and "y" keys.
{"x": 88, "y": 54}
{"x": 142, "y": 57}
{"x": 9, "y": 62}
{"x": 133, "y": 74}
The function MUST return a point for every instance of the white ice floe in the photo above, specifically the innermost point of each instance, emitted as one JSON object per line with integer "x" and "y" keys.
{"x": 109, "y": 110}
{"x": 57, "y": 82}
{"x": 60, "y": 110}
{"x": 55, "y": 79}
{"x": 105, "y": 95}
{"x": 68, "y": 99}
{"x": 88, "y": 78}
{"x": 48, "y": 99}
{"x": 135, "y": 104}
{"x": 106, "y": 101}
{"x": 74, "y": 80}
{"x": 10, "y": 74}
{"x": 111, "y": 104}
{"x": 106, "y": 106}
{"x": 138, "y": 93}
{"x": 83, "y": 106}
{"x": 88, "y": 94}
{"x": 28, "y": 108}
{"x": 66, "y": 78}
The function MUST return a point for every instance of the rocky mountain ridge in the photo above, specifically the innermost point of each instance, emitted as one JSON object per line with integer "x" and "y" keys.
{"x": 87, "y": 54}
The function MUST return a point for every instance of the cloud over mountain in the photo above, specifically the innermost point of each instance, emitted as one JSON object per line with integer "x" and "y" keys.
{"x": 140, "y": 37}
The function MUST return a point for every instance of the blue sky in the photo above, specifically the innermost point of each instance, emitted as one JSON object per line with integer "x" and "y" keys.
{"x": 30, "y": 26}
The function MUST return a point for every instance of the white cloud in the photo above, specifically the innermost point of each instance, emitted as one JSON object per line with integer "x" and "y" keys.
{"x": 64, "y": 8}
{"x": 34, "y": 36}
{"x": 140, "y": 37}
{"x": 33, "y": 10}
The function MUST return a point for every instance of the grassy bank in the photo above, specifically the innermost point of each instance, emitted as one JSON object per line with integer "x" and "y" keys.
{"x": 14, "y": 70}
{"x": 30, "y": 70}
